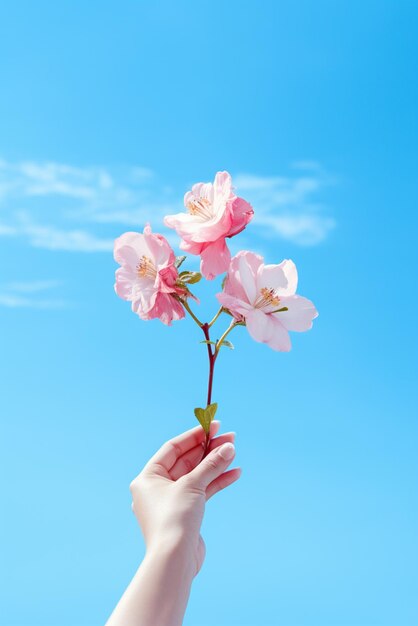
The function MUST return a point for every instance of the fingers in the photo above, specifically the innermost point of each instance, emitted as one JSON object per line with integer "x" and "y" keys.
{"x": 190, "y": 459}
{"x": 224, "y": 480}
{"x": 212, "y": 466}
{"x": 169, "y": 452}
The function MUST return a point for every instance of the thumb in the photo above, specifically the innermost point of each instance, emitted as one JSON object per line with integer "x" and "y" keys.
{"x": 212, "y": 466}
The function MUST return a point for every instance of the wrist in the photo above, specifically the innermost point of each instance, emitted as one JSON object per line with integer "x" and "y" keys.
{"x": 174, "y": 548}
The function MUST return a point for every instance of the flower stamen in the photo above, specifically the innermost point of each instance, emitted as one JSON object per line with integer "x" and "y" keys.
{"x": 200, "y": 207}
{"x": 267, "y": 297}
{"x": 146, "y": 268}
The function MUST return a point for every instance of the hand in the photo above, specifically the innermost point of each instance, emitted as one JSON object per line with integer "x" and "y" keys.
{"x": 170, "y": 493}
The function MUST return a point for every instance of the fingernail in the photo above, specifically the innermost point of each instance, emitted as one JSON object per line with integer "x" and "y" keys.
{"x": 227, "y": 451}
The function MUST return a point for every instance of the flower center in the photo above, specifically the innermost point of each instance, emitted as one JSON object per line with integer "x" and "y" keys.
{"x": 146, "y": 268}
{"x": 200, "y": 207}
{"x": 267, "y": 297}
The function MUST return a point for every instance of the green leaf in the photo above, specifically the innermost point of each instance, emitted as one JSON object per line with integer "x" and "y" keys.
{"x": 223, "y": 281}
{"x": 228, "y": 344}
{"x": 179, "y": 260}
{"x": 190, "y": 277}
{"x": 205, "y": 416}
{"x": 207, "y": 341}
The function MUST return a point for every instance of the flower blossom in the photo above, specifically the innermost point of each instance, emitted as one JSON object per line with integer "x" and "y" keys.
{"x": 148, "y": 276}
{"x": 214, "y": 213}
{"x": 263, "y": 296}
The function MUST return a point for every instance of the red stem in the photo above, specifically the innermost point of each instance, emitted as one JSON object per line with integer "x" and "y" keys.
{"x": 212, "y": 358}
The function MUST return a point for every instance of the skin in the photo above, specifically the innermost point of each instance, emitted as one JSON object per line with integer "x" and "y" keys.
{"x": 168, "y": 500}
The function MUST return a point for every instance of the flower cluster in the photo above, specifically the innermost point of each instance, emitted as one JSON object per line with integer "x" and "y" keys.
{"x": 260, "y": 296}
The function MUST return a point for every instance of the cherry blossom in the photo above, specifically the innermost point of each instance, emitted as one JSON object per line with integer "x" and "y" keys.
{"x": 148, "y": 276}
{"x": 264, "y": 298}
{"x": 214, "y": 213}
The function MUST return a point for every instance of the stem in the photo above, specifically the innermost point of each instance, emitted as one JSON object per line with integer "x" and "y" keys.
{"x": 226, "y": 333}
{"x": 213, "y": 354}
{"x": 212, "y": 358}
{"x": 216, "y": 317}
{"x": 188, "y": 309}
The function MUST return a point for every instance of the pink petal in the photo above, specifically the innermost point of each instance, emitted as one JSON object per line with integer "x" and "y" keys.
{"x": 235, "y": 305}
{"x": 241, "y": 212}
{"x": 199, "y": 190}
{"x": 167, "y": 309}
{"x": 194, "y": 229}
{"x": 160, "y": 250}
{"x": 291, "y": 274}
{"x": 300, "y": 314}
{"x": 143, "y": 297}
{"x": 215, "y": 259}
{"x": 248, "y": 266}
{"x": 272, "y": 277}
{"x": 280, "y": 339}
{"x": 166, "y": 279}
{"x": 191, "y": 247}
{"x": 266, "y": 329}
{"x": 124, "y": 281}
{"x": 222, "y": 191}
{"x": 128, "y": 249}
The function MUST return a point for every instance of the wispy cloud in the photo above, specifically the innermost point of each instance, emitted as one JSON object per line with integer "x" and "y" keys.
{"x": 52, "y": 238}
{"x": 288, "y": 206}
{"x": 31, "y": 295}
{"x": 61, "y": 207}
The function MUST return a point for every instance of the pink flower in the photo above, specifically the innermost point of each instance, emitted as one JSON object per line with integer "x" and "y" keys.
{"x": 148, "y": 275}
{"x": 264, "y": 297}
{"x": 214, "y": 213}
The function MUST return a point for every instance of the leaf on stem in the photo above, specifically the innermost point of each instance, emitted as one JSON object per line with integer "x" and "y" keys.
{"x": 228, "y": 344}
{"x": 208, "y": 341}
{"x": 179, "y": 260}
{"x": 190, "y": 277}
{"x": 205, "y": 416}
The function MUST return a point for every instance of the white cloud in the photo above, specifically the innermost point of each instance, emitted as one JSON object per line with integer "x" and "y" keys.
{"x": 51, "y": 238}
{"x": 30, "y": 295}
{"x": 7, "y": 230}
{"x": 61, "y": 207}
{"x": 305, "y": 230}
{"x": 33, "y": 286}
{"x": 287, "y": 206}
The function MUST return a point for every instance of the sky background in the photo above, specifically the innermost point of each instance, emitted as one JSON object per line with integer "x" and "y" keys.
{"x": 109, "y": 111}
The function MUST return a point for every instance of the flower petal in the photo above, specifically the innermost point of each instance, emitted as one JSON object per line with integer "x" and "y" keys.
{"x": 191, "y": 247}
{"x": 241, "y": 212}
{"x": 271, "y": 277}
{"x": 167, "y": 309}
{"x": 291, "y": 274}
{"x": 215, "y": 259}
{"x": 248, "y": 266}
{"x": 160, "y": 250}
{"x": 235, "y": 305}
{"x": 124, "y": 281}
{"x": 266, "y": 329}
{"x": 128, "y": 249}
{"x": 300, "y": 314}
{"x": 222, "y": 191}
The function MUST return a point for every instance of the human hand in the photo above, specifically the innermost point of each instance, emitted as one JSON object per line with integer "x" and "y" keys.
{"x": 169, "y": 495}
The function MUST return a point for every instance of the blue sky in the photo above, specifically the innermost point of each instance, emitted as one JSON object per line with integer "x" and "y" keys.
{"x": 109, "y": 111}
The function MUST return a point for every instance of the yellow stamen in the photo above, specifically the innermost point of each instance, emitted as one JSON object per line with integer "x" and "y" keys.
{"x": 200, "y": 207}
{"x": 146, "y": 268}
{"x": 267, "y": 297}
